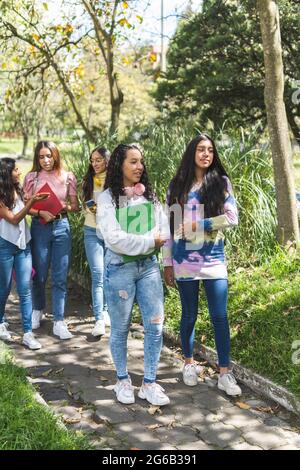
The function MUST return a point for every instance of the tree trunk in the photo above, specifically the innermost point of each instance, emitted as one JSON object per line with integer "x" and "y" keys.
{"x": 116, "y": 100}
{"x": 25, "y": 143}
{"x": 288, "y": 228}
{"x": 90, "y": 136}
{"x": 106, "y": 45}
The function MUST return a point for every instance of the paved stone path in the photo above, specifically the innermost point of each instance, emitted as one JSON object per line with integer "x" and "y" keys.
{"x": 76, "y": 378}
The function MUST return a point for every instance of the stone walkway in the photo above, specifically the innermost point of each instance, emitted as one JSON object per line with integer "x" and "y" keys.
{"x": 76, "y": 378}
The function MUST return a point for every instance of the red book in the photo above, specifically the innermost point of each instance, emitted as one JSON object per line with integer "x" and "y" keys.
{"x": 51, "y": 204}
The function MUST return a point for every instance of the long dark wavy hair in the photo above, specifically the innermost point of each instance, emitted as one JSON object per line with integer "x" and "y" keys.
{"x": 88, "y": 183}
{"x": 54, "y": 152}
{"x": 213, "y": 188}
{"x": 114, "y": 175}
{"x": 7, "y": 186}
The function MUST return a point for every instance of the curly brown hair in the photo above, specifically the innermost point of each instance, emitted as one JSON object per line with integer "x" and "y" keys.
{"x": 114, "y": 176}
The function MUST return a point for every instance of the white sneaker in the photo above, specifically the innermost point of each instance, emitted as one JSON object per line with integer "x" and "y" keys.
{"x": 190, "y": 374}
{"x": 60, "y": 329}
{"x": 4, "y": 334}
{"x": 30, "y": 341}
{"x": 124, "y": 391}
{"x": 228, "y": 384}
{"x": 37, "y": 316}
{"x": 154, "y": 394}
{"x": 106, "y": 318}
{"x": 99, "y": 328}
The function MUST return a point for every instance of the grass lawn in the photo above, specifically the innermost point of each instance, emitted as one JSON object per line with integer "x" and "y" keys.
{"x": 264, "y": 313}
{"x": 24, "y": 423}
{"x": 14, "y": 146}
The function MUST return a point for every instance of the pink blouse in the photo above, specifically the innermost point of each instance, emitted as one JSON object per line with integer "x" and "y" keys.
{"x": 34, "y": 181}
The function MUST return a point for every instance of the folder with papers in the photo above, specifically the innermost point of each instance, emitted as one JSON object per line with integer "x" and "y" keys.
{"x": 51, "y": 204}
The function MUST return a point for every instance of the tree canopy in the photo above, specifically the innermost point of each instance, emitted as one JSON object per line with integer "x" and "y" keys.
{"x": 216, "y": 69}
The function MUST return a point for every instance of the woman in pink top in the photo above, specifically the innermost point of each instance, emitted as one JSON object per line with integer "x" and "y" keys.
{"x": 50, "y": 232}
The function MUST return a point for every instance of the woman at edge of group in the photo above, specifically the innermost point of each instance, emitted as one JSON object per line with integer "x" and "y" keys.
{"x": 92, "y": 186}
{"x": 15, "y": 251}
{"x": 51, "y": 241}
{"x": 131, "y": 267}
{"x": 201, "y": 180}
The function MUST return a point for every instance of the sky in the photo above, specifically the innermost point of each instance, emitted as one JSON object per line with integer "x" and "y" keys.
{"x": 150, "y": 10}
{"x": 151, "y": 13}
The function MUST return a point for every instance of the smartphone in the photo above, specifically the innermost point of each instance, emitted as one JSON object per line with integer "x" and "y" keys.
{"x": 90, "y": 203}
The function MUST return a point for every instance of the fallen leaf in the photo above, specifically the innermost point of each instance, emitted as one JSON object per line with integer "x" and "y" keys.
{"x": 154, "y": 426}
{"x": 103, "y": 379}
{"x": 210, "y": 371}
{"x": 71, "y": 420}
{"x": 154, "y": 409}
{"x": 242, "y": 405}
{"x": 47, "y": 372}
{"x": 172, "y": 424}
{"x": 291, "y": 309}
{"x": 237, "y": 328}
{"x": 58, "y": 371}
{"x": 203, "y": 338}
{"x": 267, "y": 409}
{"x": 70, "y": 391}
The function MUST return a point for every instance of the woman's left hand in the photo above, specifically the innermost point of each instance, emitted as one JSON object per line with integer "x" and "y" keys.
{"x": 169, "y": 276}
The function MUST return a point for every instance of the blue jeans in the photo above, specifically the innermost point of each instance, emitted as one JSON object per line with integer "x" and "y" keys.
{"x": 216, "y": 293}
{"x": 51, "y": 244}
{"x": 123, "y": 283}
{"x": 94, "y": 249}
{"x": 11, "y": 257}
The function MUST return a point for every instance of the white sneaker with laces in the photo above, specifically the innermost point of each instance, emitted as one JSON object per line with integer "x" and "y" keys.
{"x": 37, "y": 316}
{"x": 124, "y": 391}
{"x": 106, "y": 317}
{"x": 227, "y": 383}
{"x": 4, "y": 334}
{"x": 60, "y": 329}
{"x": 154, "y": 394}
{"x": 190, "y": 374}
{"x": 99, "y": 328}
{"x": 30, "y": 341}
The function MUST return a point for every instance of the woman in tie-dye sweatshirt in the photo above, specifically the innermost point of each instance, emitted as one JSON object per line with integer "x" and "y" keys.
{"x": 201, "y": 205}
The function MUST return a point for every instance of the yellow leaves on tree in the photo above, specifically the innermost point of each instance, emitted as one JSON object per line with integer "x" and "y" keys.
{"x": 153, "y": 57}
{"x": 79, "y": 71}
{"x": 124, "y": 22}
{"x": 36, "y": 37}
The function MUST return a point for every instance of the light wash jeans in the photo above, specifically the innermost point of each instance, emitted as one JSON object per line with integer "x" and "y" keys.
{"x": 94, "y": 249}
{"x": 11, "y": 257}
{"x": 51, "y": 244}
{"x": 123, "y": 283}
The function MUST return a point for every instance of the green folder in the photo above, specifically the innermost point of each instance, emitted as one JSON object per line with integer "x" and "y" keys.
{"x": 138, "y": 220}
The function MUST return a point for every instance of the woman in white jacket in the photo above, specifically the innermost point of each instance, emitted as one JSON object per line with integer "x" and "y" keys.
{"x": 134, "y": 227}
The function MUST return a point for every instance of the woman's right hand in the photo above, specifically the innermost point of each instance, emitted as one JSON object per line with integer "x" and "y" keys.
{"x": 159, "y": 240}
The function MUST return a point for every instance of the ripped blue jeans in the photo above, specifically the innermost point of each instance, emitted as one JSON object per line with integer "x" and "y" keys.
{"x": 123, "y": 283}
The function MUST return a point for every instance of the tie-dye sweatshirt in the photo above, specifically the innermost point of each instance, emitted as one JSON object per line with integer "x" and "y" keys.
{"x": 203, "y": 256}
